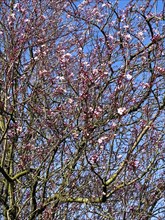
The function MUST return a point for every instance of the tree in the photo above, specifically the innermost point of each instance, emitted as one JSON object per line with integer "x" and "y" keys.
{"x": 81, "y": 109}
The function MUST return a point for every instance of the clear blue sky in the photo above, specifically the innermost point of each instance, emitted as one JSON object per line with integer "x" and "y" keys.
{"x": 159, "y": 4}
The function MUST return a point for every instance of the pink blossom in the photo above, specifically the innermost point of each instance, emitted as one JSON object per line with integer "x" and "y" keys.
{"x": 119, "y": 156}
{"x": 75, "y": 134}
{"x": 70, "y": 101}
{"x": 19, "y": 129}
{"x": 134, "y": 164}
{"x": 145, "y": 85}
{"x": 27, "y": 20}
{"x": 128, "y": 76}
{"x": 98, "y": 111}
{"x": 114, "y": 125}
{"x": 127, "y": 37}
{"x": 16, "y": 5}
{"x": 43, "y": 73}
{"x": 121, "y": 110}
{"x": 66, "y": 57}
{"x": 100, "y": 140}
{"x": 140, "y": 34}
{"x": 111, "y": 38}
{"x": 12, "y": 15}
{"x": 156, "y": 38}
{"x": 160, "y": 69}
{"x": 94, "y": 158}
{"x": 11, "y": 18}
{"x": 104, "y": 5}
{"x": 95, "y": 71}
{"x": 61, "y": 78}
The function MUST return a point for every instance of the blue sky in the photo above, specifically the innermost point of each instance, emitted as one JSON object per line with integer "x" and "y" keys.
{"x": 159, "y": 3}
